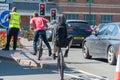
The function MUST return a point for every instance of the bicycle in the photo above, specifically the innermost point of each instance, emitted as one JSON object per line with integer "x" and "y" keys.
{"x": 60, "y": 63}
{"x": 39, "y": 47}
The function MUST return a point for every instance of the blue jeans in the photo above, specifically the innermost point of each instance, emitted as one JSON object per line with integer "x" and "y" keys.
{"x": 43, "y": 35}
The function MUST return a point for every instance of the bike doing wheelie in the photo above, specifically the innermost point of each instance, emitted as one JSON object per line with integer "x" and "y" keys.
{"x": 60, "y": 41}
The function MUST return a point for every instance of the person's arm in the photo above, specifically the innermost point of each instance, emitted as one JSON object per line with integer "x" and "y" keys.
{"x": 50, "y": 26}
{"x": 8, "y": 19}
{"x": 46, "y": 23}
{"x": 32, "y": 25}
{"x": 20, "y": 24}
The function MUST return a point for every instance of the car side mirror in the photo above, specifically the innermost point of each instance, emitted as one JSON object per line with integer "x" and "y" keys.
{"x": 95, "y": 33}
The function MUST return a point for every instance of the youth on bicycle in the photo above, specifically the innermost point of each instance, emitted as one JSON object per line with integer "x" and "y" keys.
{"x": 66, "y": 40}
{"x": 37, "y": 24}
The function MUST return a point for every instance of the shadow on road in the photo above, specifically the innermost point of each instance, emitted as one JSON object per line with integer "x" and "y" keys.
{"x": 10, "y": 68}
{"x": 1, "y": 78}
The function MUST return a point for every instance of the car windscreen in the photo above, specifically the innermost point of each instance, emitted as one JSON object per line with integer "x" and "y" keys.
{"x": 81, "y": 25}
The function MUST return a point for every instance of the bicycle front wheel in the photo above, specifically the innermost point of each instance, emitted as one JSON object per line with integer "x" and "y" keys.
{"x": 40, "y": 50}
{"x": 61, "y": 64}
{"x": 40, "y": 53}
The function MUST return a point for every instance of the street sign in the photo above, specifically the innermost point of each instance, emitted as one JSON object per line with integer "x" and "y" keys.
{"x": 3, "y": 18}
{"x": 2, "y": 0}
{"x": 9, "y": 1}
{"x": 4, "y": 7}
{"x": 6, "y": 1}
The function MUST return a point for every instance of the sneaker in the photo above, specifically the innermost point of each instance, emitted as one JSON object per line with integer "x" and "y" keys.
{"x": 5, "y": 49}
{"x": 14, "y": 49}
{"x": 54, "y": 56}
{"x": 34, "y": 53}
{"x": 50, "y": 53}
{"x": 66, "y": 53}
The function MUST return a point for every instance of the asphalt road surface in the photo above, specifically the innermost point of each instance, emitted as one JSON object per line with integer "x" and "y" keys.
{"x": 78, "y": 68}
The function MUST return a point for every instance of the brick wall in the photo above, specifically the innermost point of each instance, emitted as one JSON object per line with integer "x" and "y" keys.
{"x": 25, "y": 20}
{"x": 99, "y": 7}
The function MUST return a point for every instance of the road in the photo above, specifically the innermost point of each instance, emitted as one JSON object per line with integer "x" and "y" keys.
{"x": 97, "y": 67}
{"x": 77, "y": 69}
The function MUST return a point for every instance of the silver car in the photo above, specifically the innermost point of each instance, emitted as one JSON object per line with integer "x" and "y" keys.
{"x": 49, "y": 32}
{"x": 104, "y": 43}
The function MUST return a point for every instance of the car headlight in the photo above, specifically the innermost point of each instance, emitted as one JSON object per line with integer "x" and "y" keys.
{"x": 50, "y": 31}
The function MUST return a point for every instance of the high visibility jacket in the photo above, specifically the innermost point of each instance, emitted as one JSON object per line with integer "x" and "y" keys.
{"x": 14, "y": 20}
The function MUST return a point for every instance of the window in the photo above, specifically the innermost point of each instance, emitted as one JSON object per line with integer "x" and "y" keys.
{"x": 78, "y": 24}
{"x": 71, "y": 1}
{"x": 106, "y": 18}
{"x": 109, "y": 30}
{"x": 90, "y": 18}
{"x": 71, "y": 16}
{"x": 42, "y": 0}
{"x": 115, "y": 31}
{"x": 103, "y": 30}
{"x": 51, "y": 0}
{"x": 90, "y": 1}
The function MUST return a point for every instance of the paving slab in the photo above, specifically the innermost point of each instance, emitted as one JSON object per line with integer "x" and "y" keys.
{"x": 25, "y": 57}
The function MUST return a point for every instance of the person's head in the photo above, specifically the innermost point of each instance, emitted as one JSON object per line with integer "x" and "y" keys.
{"x": 61, "y": 19}
{"x": 14, "y": 9}
{"x": 35, "y": 14}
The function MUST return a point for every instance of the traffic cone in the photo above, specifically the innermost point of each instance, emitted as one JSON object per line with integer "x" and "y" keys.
{"x": 117, "y": 74}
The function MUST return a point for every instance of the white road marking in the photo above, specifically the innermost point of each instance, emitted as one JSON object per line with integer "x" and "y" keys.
{"x": 90, "y": 74}
{"x": 72, "y": 75}
{"x": 81, "y": 71}
{"x": 67, "y": 74}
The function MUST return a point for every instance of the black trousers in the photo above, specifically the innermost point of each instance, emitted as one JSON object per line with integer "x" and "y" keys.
{"x": 12, "y": 32}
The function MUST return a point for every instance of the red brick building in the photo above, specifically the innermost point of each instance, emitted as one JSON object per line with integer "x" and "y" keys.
{"x": 94, "y": 11}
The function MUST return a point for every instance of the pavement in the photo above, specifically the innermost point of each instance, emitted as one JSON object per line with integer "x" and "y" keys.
{"x": 24, "y": 56}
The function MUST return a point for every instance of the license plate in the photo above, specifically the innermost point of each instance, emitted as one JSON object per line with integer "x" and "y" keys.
{"x": 80, "y": 38}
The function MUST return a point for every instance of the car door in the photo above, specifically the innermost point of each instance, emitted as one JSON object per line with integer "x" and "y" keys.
{"x": 104, "y": 40}
{"x": 91, "y": 44}
{"x": 94, "y": 40}
{"x": 99, "y": 40}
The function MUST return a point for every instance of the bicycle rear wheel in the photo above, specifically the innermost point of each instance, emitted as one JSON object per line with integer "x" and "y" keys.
{"x": 61, "y": 64}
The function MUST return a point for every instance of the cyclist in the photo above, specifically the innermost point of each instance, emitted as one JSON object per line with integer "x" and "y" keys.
{"x": 38, "y": 25}
{"x": 61, "y": 21}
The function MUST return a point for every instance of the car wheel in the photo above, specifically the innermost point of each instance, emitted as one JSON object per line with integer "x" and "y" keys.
{"x": 85, "y": 51}
{"x": 111, "y": 56}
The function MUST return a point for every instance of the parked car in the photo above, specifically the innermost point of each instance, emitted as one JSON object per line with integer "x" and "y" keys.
{"x": 104, "y": 43}
{"x": 49, "y": 32}
{"x": 80, "y": 29}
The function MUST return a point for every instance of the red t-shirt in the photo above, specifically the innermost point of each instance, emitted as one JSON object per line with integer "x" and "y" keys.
{"x": 39, "y": 23}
